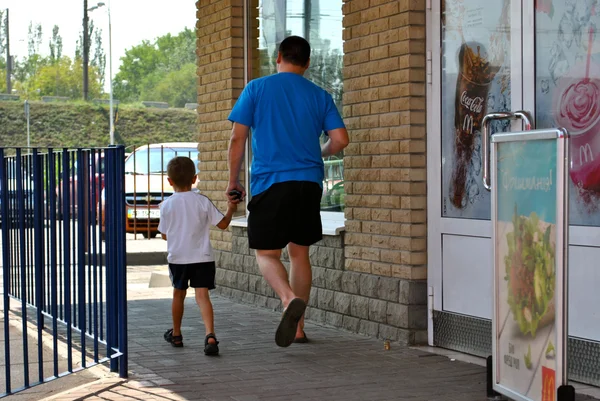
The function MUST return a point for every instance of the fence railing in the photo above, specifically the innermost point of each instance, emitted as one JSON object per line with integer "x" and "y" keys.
{"x": 63, "y": 276}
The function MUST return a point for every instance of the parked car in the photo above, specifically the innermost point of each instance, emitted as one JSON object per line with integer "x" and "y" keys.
{"x": 97, "y": 180}
{"x": 146, "y": 184}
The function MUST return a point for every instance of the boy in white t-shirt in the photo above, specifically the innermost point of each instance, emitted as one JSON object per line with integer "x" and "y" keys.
{"x": 185, "y": 220}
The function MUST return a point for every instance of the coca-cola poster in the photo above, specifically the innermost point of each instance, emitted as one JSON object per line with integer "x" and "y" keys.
{"x": 568, "y": 93}
{"x": 475, "y": 81}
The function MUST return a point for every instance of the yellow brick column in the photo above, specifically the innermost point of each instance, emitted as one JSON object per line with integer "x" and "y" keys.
{"x": 220, "y": 50}
{"x": 384, "y": 107}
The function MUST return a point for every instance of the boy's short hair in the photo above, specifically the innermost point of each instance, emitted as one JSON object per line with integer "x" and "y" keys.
{"x": 181, "y": 170}
{"x": 295, "y": 50}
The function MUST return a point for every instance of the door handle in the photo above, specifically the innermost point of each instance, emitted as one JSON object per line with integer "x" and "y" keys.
{"x": 485, "y": 145}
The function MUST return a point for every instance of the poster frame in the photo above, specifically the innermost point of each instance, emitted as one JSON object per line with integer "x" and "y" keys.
{"x": 561, "y": 257}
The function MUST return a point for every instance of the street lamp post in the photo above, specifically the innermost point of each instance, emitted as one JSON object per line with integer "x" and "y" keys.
{"x": 112, "y": 127}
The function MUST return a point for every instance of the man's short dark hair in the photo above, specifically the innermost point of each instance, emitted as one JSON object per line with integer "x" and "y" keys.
{"x": 295, "y": 50}
{"x": 181, "y": 170}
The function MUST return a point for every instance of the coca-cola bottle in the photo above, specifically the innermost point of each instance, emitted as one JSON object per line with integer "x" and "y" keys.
{"x": 472, "y": 87}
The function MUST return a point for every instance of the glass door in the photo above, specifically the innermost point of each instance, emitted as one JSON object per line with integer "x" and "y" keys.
{"x": 564, "y": 39}
{"x": 479, "y": 55}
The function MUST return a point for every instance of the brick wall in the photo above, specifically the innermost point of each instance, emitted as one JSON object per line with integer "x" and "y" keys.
{"x": 384, "y": 108}
{"x": 371, "y": 280}
{"x": 220, "y": 50}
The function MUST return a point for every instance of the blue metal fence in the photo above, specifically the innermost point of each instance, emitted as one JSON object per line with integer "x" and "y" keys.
{"x": 62, "y": 216}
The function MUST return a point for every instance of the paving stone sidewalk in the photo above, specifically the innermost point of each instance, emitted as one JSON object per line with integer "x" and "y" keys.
{"x": 335, "y": 365}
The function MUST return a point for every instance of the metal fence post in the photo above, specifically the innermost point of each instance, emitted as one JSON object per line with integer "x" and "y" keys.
{"x": 121, "y": 248}
{"x": 66, "y": 212}
{"x": 4, "y": 199}
{"x": 38, "y": 227}
{"x": 22, "y": 265}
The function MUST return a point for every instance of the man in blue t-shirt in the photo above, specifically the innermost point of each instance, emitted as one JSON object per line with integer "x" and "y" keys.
{"x": 287, "y": 114}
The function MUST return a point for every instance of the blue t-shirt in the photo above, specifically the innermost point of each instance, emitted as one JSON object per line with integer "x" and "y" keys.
{"x": 287, "y": 114}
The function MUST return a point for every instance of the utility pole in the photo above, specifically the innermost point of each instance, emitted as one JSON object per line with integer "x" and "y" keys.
{"x": 8, "y": 58}
{"x": 86, "y": 51}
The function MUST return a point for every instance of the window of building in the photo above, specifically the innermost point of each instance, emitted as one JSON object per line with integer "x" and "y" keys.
{"x": 319, "y": 22}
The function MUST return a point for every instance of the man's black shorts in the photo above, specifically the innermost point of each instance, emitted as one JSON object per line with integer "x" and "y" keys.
{"x": 195, "y": 275}
{"x": 286, "y": 212}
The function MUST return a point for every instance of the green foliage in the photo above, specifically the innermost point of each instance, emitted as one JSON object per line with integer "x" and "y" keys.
{"x": 81, "y": 124}
{"x": 146, "y": 70}
{"x": 62, "y": 78}
{"x": 174, "y": 87}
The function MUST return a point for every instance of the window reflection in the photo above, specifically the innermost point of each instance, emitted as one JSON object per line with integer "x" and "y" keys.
{"x": 320, "y": 22}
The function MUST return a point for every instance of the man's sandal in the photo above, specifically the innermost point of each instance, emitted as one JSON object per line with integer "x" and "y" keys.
{"x": 211, "y": 348}
{"x": 301, "y": 340}
{"x": 286, "y": 331}
{"x": 176, "y": 341}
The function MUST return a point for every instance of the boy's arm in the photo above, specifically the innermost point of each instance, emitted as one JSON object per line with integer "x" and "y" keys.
{"x": 224, "y": 223}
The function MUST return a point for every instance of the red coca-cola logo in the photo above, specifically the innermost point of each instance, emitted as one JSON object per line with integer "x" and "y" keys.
{"x": 579, "y": 104}
{"x": 473, "y": 104}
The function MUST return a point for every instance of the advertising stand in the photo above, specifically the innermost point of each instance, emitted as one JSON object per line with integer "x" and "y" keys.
{"x": 530, "y": 250}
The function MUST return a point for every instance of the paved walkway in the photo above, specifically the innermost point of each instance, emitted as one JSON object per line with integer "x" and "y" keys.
{"x": 335, "y": 365}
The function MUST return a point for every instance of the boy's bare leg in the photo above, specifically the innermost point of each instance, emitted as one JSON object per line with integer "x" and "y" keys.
{"x": 269, "y": 263}
{"x": 206, "y": 309}
{"x": 177, "y": 310}
{"x": 300, "y": 277}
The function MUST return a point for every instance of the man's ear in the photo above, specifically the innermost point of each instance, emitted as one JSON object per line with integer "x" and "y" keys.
{"x": 307, "y": 64}
{"x": 170, "y": 181}
{"x": 194, "y": 179}
{"x": 279, "y": 58}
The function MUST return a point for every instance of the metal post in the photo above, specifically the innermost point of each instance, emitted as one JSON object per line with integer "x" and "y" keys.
{"x": 82, "y": 166}
{"x": 122, "y": 260}
{"x": 110, "y": 79}
{"x": 38, "y": 219}
{"x": 66, "y": 257}
{"x": 8, "y": 58}
{"x": 86, "y": 46}
{"x": 6, "y": 270}
{"x": 27, "y": 118}
{"x": 22, "y": 263}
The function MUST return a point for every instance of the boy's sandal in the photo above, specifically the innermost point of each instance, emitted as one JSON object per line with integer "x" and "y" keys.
{"x": 176, "y": 341}
{"x": 211, "y": 348}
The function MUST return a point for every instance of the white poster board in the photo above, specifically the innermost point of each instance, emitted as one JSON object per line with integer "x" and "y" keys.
{"x": 530, "y": 238}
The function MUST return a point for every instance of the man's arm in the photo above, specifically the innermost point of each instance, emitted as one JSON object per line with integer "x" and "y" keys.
{"x": 338, "y": 140}
{"x": 164, "y": 236}
{"x": 237, "y": 148}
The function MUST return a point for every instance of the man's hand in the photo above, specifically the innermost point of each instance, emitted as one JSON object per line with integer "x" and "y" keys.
{"x": 235, "y": 186}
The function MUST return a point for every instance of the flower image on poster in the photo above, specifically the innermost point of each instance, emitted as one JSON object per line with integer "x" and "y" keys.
{"x": 475, "y": 81}
{"x": 568, "y": 93}
{"x": 526, "y": 244}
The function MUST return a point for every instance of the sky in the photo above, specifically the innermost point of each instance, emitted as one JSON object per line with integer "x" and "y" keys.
{"x": 132, "y": 22}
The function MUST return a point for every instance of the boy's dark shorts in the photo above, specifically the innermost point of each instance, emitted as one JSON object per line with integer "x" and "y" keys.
{"x": 195, "y": 275}
{"x": 286, "y": 212}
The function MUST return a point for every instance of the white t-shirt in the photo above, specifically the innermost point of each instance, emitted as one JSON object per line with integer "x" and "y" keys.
{"x": 185, "y": 218}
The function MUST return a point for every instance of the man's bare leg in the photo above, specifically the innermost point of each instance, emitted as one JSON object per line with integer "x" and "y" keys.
{"x": 269, "y": 263}
{"x": 300, "y": 277}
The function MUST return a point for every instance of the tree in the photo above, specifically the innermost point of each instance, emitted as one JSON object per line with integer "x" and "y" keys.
{"x": 56, "y": 45}
{"x": 99, "y": 59}
{"x": 174, "y": 88}
{"x": 146, "y": 65}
